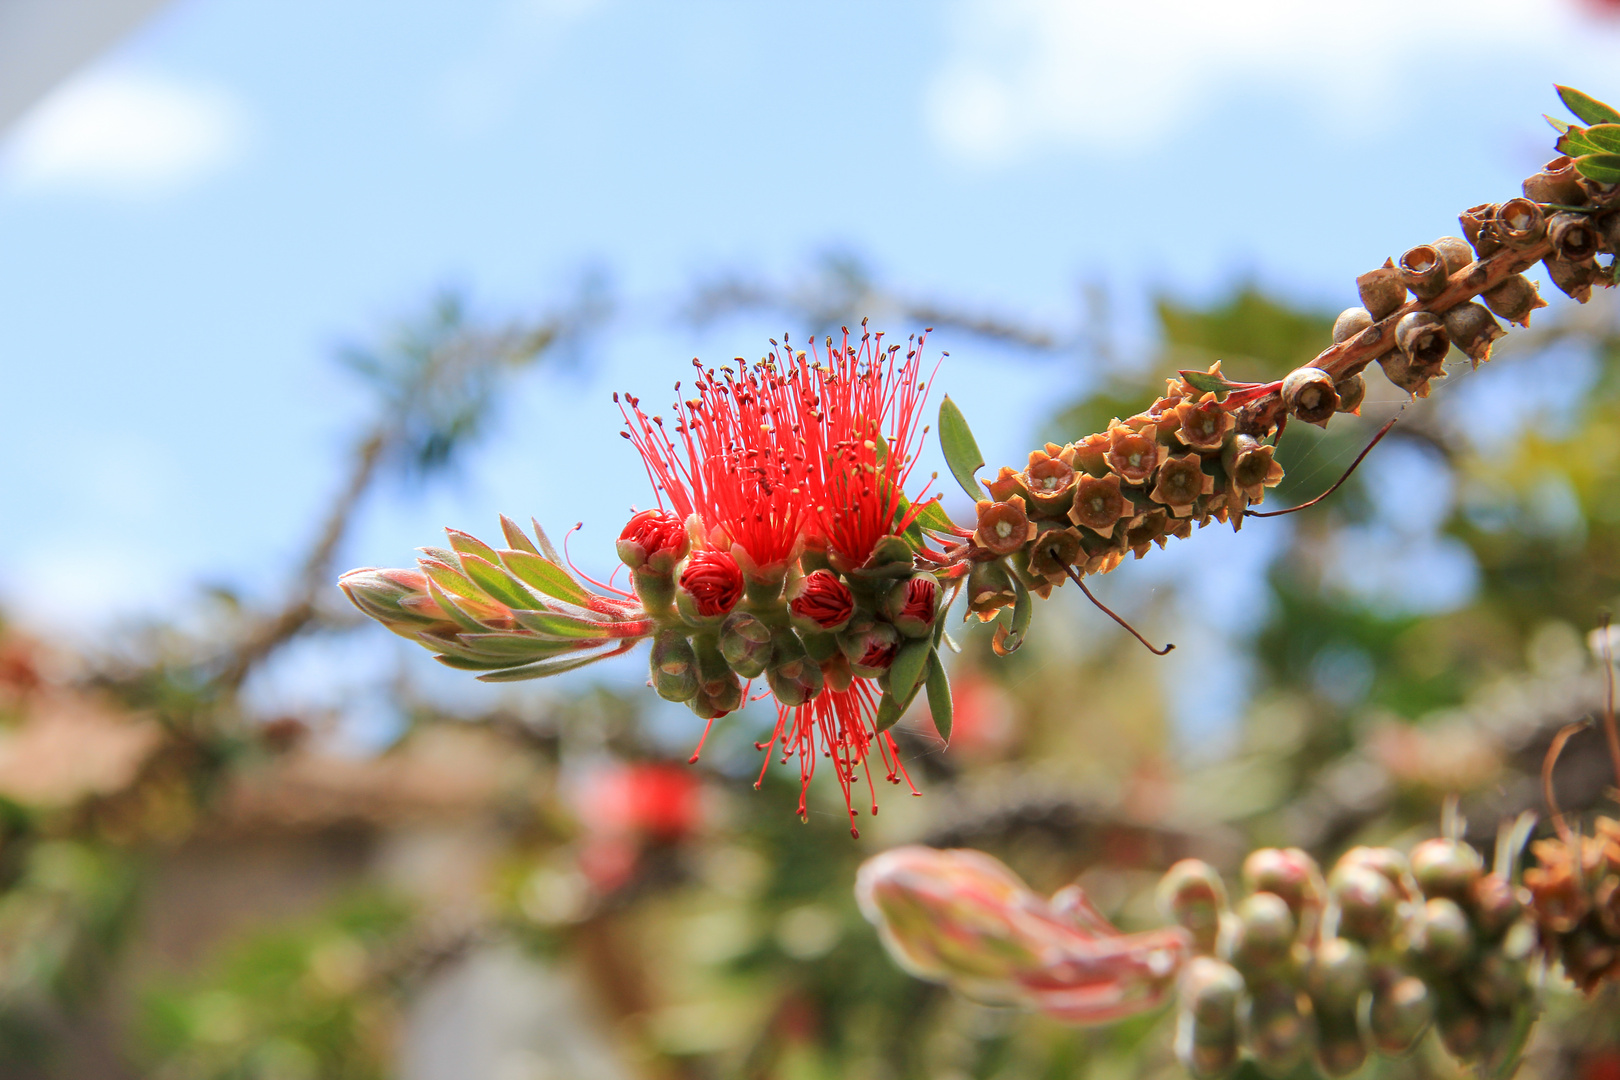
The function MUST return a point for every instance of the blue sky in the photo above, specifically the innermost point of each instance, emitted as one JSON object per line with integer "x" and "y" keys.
{"x": 191, "y": 225}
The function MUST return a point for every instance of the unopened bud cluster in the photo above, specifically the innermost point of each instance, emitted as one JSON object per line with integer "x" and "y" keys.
{"x": 1365, "y": 960}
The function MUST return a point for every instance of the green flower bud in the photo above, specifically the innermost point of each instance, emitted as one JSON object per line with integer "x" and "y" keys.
{"x": 1192, "y": 895}
{"x": 1462, "y": 1025}
{"x": 1340, "y": 1049}
{"x": 1336, "y": 976}
{"x": 793, "y": 676}
{"x": 1207, "y": 1025}
{"x": 1285, "y": 872}
{"x": 1446, "y": 868}
{"x": 1401, "y": 1011}
{"x": 714, "y": 700}
{"x": 1280, "y": 1031}
{"x": 745, "y": 642}
{"x": 1265, "y": 935}
{"x": 1443, "y": 938}
{"x": 674, "y": 666}
{"x": 1367, "y": 902}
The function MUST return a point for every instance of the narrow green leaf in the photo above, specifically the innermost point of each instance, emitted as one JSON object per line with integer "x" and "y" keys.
{"x": 467, "y": 544}
{"x": 1207, "y": 383}
{"x": 541, "y": 668}
{"x": 448, "y": 579}
{"x": 1557, "y": 124}
{"x": 450, "y": 558}
{"x": 546, "y": 548}
{"x": 497, "y": 583}
{"x": 939, "y": 696}
{"x": 1589, "y": 109}
{"x": 561, "y": 626}
{"x": 888, "y": 713}
{"x": 933, "y": 516}
{"x": 907, "y": 668}
{"x": 463, "y": 664}
{"x": 1575, "y": 143}
{"x": 1023, "y": 611}
{"x": 1604, "y": 168}
{"x": 962, "y": 453}
{"x": 547, "y": 576}
{"x": 515, "y": 648}
{"x": 452, "y": 608}
{"x": 516, "y": 537}
{"x": 1605, "y": 137}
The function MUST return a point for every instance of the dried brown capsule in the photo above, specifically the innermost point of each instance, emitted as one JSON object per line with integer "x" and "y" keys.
{"x": 1004, "y": 527}
{"x": 1422, "y": 337}
{"x": 1202, "y": 424}
{"x": 1609, "y": 233}
{"x": 1399, "y": 369}
{"x": 1308, "y": 392}
{"x": 1181, "y": 481}
{"x": 1455, "y": 252}
{"x": 1133, "y": 455}
{"x": 1514, "y": 299}
{"x": 1520, "y": 223}
{"x": 1381, "y": 290}
{"x": 1573, "y": 237}
{"x": 1351, "y": 321}
{"x": 1479, "y": 227}
{"x": 1352, "y": 391}
{"x": 1099, "y": 504}
{"x": 1250, "y": 467}
{"x": 1423, "y": 271}
{"x": 1557, "y": 182}
{"x": 1472, "y": 330}
{"x": 1574, "y": 280}
{"x": 1049, "y": 479}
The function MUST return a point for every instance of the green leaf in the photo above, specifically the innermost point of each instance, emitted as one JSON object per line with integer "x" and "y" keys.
{"x": 907, "y": 668}
{"x": 888, "y": 713}
{"x": 561, "y": 626}
{"x": 448, "y": 579}
{"x": 1589, "y": 109}
{"x": 513, "y": 648}
{"x": 452, "y": 608}
{"x": 1023, "y": 611}
{"x": 933, "y": 516}
{"x": 961, "y": 450}
{"x": 1575, "y": 143}
{"x": 1604, "y": 168}
{"x": 939, "y": 696}
{"x": 545, "y": 575}
{"x": 467, "y": 544}
{"x": 497, "y": 583}
{"x": 546, "y": 548}
{"x": 541, "y": 668}
{"x": 1605, "y": 137}
{"x": 1208, "y": 383}
{"x": 1557, "y": 124}
{"x": 516, "y": 537}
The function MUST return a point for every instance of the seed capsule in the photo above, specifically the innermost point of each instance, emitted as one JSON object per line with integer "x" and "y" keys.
{"x": 1280, "y": 1031}
{"x": 1557, "y": 182}
{"x": 1351, "y": 321}
{"x": 1514, "y": 299}
{"x": 1402, "y": 1009}
{"x": 1309, "y": 394}
{"x": 1367, "y": 901}
{"x": 1423, "y": 338}
{"x": 1192, "y": 894}
{"x": 1478, "y": 226}
{"x": 1575, "y": 280}
{"x": 1609, "y": 231}
{"x": 1520, "y": 223}
{"x": 1381, "y": 290}
{"x": 1265, "y": 935}
{"x": 1472, "y": 330}
{"x": 1445, "y": 867}
{"x": 1444, "y": 938}
{"x": 1352, "y": 391}
{"x": 1573, "y": 237}
{"x": 1455, "y": 252}
{"x": 1423, "y": 271}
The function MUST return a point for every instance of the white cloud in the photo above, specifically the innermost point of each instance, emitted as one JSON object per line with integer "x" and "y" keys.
{"x": 124, "y": 134}
{"x": 1023, "y": 73}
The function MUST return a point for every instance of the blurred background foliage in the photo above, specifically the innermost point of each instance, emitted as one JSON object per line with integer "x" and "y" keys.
{"x": 201, "y": 884}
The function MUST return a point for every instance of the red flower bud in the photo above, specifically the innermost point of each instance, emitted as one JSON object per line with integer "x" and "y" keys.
{"x": 654, "y": 541}
{"x": 913, "y": 603}
{"x": 826, "y": 603}
{"x": 711, "y": 585}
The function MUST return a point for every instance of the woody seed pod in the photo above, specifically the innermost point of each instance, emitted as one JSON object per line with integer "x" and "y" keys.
{"x": 1480, "y": 229}
{"x": 1309, "y": 394}
{"x": 1520, "y": 223}
{"x": 1575, "y": 280}
{"x": 1514, "y": 299}
{"x": 1455, "y": 252}
{"x": 1351, "y": 321}
{"x": 1609, "y": 232}
{"x": 1472, "y": 330}
{"x": 1422, "y": 337}
{"x": 1400, "y": 370}
{"x": 1352, "y": 391}
{"x": 1402, "y": 1009}
{"x": 1572, "y": 236}
{"x": 1423, "y": 271}
{"x": 1557, "y": 182}
{"x": 1381, "y": 290}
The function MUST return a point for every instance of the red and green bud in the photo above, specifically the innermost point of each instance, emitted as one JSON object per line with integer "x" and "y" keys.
{"x": 1367, "y": 901}
{"x": 1286, "y": 872}
{"x": 1443, "y": 936}
{"x": 1445, "y": 867}
{"x": 1265, "y": 935}
{"x": 1281, "y": 1032}
{"x": 1336, "y": 975}
{"x": 653, "y": 542}
{"x": 794, "y": 676}
{"x": 822, "y": 603}
{"x": 912, "y": 605}
{"x": 1192, "y": 894}
{"x": 399, "y": 599}
{"x": 1210, "y": 992}
{"x": 871, "y": 652}
{"x": 710, "y": 586}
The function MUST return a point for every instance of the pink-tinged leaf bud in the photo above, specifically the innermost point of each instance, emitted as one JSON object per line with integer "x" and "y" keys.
{"x": 1495, "y": 903}
{"x": 989, "y": 589}
{"x": 1049, "y": 479}
{"x": 1479, "y": 226}
{"x": 1557, "y": 182}
{"x": 1004, "y": 527}
{"x": 1286, "y": 872}
{"x": 1265, "y": 935}
{"x": 1099, "y": 504}
{"x": 1210, "y": 993}
{"x": 1351, "y": 321}
{"x": 822, "y": 602}
{"x": 1204, "y": 424}
{"x": 1521, "y": 223}
{"x": 709, "y": 587}
{"x": 1574, "y": 280}
{"x": 1281, "y": 1032}
{"x": 1422, "y": 337}
{"x": 1309, "y": 394}
{"x": 1336, "y": 975}
{"x": 1181, "y": 481}
{"x": 1472, "y": 330}
{"x": 1352, "y": 391}
{"x": 1573, "y": 237}
{"x": 1192, "y": 895}
{"x": 911, "y": 605}
{"x": 745, "y": 642}
{"x": 1443, "y": 936}
{"x": 1514, "y": 299}
{"x": 1445, "y": 867}
{"x": 653, "y": 542}
{"x": 1423, "y": 271}
{"x": 1251, "y": 467}
{"x": 399, "y": 599}
{"x": 1340, "y": 1049}
{"x": 874, "y": 650}
{"x": 793, "y": 675}
{"x": 673, "y": 666}
{"x": 1455, "y": 252}
{"x": 1402, "y": 1009}
{"x": 1132, "y": 455}
{"x": 1367, "y": 901}
{"x": 1382, "y": 290}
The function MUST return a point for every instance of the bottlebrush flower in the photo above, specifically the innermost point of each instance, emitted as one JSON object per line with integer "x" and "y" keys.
{"x": 653, "y": 541}
{"x": 823, "y": 603}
